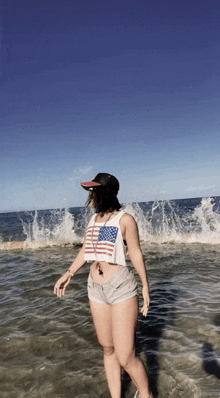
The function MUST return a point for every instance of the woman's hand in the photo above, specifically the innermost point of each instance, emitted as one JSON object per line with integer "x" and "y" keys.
{"x": 61, "y": 285}
{"x": 146, "y": 297}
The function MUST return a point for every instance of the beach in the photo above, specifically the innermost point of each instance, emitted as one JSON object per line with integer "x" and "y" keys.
{"x": 48, "y": 346}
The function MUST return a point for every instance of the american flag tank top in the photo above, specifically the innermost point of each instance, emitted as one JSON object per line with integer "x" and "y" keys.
{"x": 105, "y": 242}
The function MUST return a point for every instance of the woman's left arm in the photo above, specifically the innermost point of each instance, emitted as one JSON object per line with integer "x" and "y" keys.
{"x": 130, "y": 233}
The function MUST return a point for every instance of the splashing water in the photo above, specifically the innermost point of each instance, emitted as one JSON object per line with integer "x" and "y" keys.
{"x": 56, "y": 227}
{"x": 165, "y": 222}
{"x": 206, "y": 217}
{"x": 159, "y": 223}
{"x": 184, "y": 221}
{"x": 208, "y": 222}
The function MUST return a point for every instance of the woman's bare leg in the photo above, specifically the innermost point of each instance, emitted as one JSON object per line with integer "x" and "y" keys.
{"x": 124, "y": 322}
{"x": 102, "y": 318}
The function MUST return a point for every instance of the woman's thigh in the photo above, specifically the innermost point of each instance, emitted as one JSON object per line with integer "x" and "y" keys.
{"x": 102, "y": 319}
{"x": 124, "y": 323}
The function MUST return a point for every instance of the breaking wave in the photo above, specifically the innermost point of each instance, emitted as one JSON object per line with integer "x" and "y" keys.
{"x": 158, "y": 222}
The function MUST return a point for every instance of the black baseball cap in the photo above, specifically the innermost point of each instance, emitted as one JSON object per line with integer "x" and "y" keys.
{"x": 103, "y": 180}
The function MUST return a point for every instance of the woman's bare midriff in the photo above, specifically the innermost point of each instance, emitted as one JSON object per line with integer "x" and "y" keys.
{"x": 108, "y": 271}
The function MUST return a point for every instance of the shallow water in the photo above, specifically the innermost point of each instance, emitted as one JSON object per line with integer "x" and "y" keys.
{"x": 48, "y": 346}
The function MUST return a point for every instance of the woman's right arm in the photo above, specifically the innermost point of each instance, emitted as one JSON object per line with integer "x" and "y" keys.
{"x": 64, "y": 281}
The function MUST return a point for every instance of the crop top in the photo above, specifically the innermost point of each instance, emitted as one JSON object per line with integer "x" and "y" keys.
{"x": 104, "y": 241}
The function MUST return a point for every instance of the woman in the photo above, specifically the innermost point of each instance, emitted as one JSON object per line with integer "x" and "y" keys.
{"x": 112, "y": 289}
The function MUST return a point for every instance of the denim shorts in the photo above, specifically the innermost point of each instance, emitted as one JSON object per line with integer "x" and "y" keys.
{"x": 120, "y": 287}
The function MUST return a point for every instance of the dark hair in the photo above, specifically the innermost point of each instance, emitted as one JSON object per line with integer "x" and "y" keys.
{"x": 105, "y": 199}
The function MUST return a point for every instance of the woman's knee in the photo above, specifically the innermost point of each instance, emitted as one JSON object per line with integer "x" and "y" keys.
{"x": 108, "y": 350}
{"x": 126, "y": 360}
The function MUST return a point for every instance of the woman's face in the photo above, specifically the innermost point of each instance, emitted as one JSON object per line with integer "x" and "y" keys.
{"x": 92, "y": 197}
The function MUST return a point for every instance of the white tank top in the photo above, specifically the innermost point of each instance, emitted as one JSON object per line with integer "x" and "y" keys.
{"x": 104, "y": 241}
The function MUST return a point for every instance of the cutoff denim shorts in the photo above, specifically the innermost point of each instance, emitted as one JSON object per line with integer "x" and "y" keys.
{"x": 120, "y": 287}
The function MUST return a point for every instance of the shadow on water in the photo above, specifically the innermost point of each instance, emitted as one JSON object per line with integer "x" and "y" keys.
{"x": 217, "y": 320}
{"x": 210, "y": 364}
{"x": 150, "y": 329}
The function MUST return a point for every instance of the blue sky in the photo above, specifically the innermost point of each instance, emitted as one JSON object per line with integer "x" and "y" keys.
{"x": 129, "y": 87}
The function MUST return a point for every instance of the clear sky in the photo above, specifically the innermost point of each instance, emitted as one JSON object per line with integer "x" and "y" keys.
{"x": 126, "y": 87}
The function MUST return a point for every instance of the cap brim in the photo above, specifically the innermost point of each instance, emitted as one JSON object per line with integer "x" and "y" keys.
{"x": 90, "y": 184}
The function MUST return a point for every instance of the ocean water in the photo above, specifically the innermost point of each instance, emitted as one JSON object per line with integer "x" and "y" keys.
{"x": 48, "y": 346}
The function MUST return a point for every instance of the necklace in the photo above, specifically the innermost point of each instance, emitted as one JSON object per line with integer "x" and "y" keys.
{"x": 98, "y": 266}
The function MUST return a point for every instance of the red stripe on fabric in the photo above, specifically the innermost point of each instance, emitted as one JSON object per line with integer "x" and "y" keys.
{"x": 107, "y": 247}
{"x": 99, "y": 248}
{"x": 99, "y": 251}
{"x": 104, "y": 252}
{"x": 104, "y": 248}
{"x": 93, "y": 229}
{"x": 105, "y": 244}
